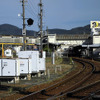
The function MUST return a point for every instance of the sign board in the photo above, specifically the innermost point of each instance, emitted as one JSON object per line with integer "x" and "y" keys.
{"x": 95, "y": 24}
{"x": 24, "y": 32}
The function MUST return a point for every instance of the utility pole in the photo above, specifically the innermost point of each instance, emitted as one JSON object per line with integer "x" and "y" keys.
{"x": 24, "y": 25}
{"x": 41, "y": 26}
{"x": 48, "y": 39}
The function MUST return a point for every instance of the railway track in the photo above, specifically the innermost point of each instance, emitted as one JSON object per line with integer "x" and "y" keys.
{"x": 86, "y": 92}
{"x": 63, "y": 89}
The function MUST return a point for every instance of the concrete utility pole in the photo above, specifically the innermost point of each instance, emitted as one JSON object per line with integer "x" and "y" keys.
{"x": 48, "y": 38}
{"x": 41, "y": 26}
{"x": 24, "y": 25}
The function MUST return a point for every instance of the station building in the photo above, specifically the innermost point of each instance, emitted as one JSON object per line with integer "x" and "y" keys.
{"x": 85, "y": 41}
{"x": 65, "y": 41}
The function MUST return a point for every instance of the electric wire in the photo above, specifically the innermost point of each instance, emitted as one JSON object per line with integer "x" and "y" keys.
{"x": 30, "y": 11}
{"x": 31, "y": 8}
{"x": 32, "y": 4}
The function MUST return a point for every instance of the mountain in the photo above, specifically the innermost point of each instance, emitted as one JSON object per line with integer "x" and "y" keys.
{"x": 79, "y": 30}
{"x": 7, "y": 29}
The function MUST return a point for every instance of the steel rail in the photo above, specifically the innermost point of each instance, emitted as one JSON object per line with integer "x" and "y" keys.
{"x": 58, "y": 84}
{"x": 54, "y": 85}
{"x": 92, "y": 95}
{"x": 64, "y": 93}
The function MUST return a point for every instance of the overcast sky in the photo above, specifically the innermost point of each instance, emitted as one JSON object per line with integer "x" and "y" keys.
{"x": 63, "y": 14}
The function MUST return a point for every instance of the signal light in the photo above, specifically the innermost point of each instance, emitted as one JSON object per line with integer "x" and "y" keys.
{"x": 30, "y": 21}
{"x": 45, "y": 39}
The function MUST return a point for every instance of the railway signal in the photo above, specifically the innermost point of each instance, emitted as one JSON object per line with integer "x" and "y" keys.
{"x": 30, "y": 21}
{"x": 45, "y": 39}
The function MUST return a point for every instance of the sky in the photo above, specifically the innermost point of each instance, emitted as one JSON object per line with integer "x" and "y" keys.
{"x": 63, "y": 14}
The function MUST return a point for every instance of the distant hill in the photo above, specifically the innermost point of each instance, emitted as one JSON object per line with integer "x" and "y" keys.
{"x": 79, "y": 30}
{"x": 7, "y": 29}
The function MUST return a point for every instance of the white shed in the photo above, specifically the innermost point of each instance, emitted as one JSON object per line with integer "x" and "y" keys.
{"x": 34, "y": 56}
{"x": 25, "y": 66}
{"x": 42, "y": 66}
{"x": 36, "y": 62}
{"x": 9, "y": 67}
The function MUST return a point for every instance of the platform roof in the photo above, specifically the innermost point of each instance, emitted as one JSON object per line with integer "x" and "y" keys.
{"x": 92, "y": 46}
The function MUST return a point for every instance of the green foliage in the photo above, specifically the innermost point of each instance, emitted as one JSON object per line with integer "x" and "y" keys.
{"x": 45, "y": 48}
{"x": 10, "y": 90}
{"x": 48, "y": 59}
{"x": 71, "y": 61}
{"x": 58, "y": 60}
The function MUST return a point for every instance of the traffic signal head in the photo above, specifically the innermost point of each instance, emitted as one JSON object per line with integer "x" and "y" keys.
{"x": 30, "y": 21}
{"x": 45, "y": 40}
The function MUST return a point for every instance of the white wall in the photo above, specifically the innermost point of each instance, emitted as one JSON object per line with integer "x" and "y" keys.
{"x": 52, "y": 38}
{"x": 96, "y": 39}
{"x": 67, "y": 43}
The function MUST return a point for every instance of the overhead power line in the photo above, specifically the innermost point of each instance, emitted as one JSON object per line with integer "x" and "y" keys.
{"x": 32, "y": 4}
{"x": 31, "y": 12}
{"x": 31, "y": 7}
